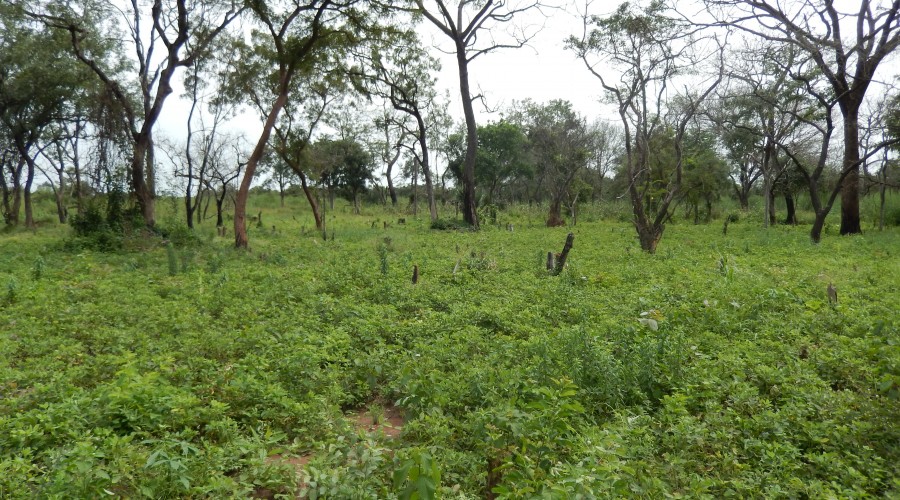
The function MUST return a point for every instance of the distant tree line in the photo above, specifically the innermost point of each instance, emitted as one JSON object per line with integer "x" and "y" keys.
{"x": 751, "y": 96}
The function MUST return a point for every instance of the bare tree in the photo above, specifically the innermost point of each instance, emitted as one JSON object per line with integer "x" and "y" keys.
{"x": 847, "y": 47}
{"x": 649, "y": 50}
{"x": 474, "y": 27}
{"x": 391, "y": 125}
{"x": 401, "y": 73}
{"x": 182, "y": 29}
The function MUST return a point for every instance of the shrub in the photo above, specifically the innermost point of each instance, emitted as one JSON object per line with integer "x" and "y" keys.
{"x": 450, "y": 225}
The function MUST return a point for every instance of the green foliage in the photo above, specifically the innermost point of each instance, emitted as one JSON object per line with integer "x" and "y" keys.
{"x": 172, "y": 258}
{"x": 37, "y": 269}
{"x": 449, "y": 225}
{"x": 715, "y": 368}
{"x": 417, "y": 478}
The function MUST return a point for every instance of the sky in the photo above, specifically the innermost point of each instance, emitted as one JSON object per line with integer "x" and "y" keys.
{"x": 542, "y": 71}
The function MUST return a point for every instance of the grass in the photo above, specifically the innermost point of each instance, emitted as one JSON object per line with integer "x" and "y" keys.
{"x": 151, "y": 374}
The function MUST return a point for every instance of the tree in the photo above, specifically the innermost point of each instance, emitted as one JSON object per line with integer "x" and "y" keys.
{"x": 401, "y": 73}
{"x": 472, "y": 27}
{"x": 224, "y": 167}
{"x": 281, "y": 175}
{"x": 390, "y": 125}
{"x": 604, "y": 150}
{"x": 503, "y": 156}
{"x": 294, "y": 40}
{"x": 760, "y": 113}
{"x": 705, "y": 173}
{"x": 559, "y": 143}
{"x": 848, "y": 63}
{"x": 294, "y": 135}
{"x": 345, "y": 166}
{"x": 648, "y": 49}
{"x": 37, "y": 79}
{"x": 183, "y": 28}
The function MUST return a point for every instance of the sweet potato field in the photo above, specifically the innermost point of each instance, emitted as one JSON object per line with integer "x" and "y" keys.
{"x": 315, "y": 368}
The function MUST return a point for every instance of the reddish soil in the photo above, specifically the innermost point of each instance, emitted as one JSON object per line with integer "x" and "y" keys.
{"x": 391, "y": 423}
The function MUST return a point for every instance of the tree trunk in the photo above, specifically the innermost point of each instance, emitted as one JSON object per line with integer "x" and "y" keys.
{"x": 391, "y": 190}
{"x": 189, "y": 206}
{"x": 790, "y": 208}
{"x": 469, "y": 209}
{"x": 79, "y": 197}
{"x": 850, "y": 223}
{"x": 220, "y": 222}
{"x": 139, "y": 184}
{"x": 60, "y": 193}
{"x": 815, "y": 233}
{"x": 773, "y": 220}
{"x": 29, "y": 209}
{"x": 884, "y": 179}
{"x": 7, "y": 194}
{"x": 240, "y": 203}
{"x": 426, "y": 169}
{"x": 649, "y": 236}
{"x": 312, "y": 202}
{"x": 554, "y": 219}
{"x": 13, "y": 200}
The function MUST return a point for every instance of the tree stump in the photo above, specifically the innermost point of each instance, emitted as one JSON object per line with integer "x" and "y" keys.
{"x": 415, "y": 276}
{"x": 561, "y": 262}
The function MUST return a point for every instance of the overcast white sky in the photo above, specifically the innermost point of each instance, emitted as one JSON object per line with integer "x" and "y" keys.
{"x": 542, "y": 71}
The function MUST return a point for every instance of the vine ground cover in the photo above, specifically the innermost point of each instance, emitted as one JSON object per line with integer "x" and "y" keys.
{"x": 717, "y": 367}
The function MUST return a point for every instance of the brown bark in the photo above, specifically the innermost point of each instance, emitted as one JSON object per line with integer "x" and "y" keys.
{"x": 554, "y": 219}
{"x": 649, "y": 237}
{"x": 426, "y": 167}
{"x": 790, "y": 208}
{"x": 29, "y": 209}
{"x": 850, "y": 223}
{"x": 469, "y": 209}
{"x": 240, "y": 203}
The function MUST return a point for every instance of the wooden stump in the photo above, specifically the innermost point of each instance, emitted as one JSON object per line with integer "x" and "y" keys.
{"x": 561, "y": 262}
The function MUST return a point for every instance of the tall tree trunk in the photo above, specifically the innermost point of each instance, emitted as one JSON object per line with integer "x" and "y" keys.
{"x": 391, "y": 190}
{"x": 415, "y": 192}
{"x": 313, "y": 204}
{"x": 469, "y": 209}
{"x": 7, "y": 195}
{"x": 815, "y": 233}
{"x": 426, "y": 169}
{"x": 79, "y": 196}
{"x": 850, "y": 223}
{"x": 220, "y": 222}
{"x": 240, "y": 203}
{"x": 139, "y": 185}
{"x": 60, "y": 193}
{"x": 29, "y": 208}
{"x": 884, "y": 179}
{"x": 773, "y": 220}
{"x": 13, "y": 207}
